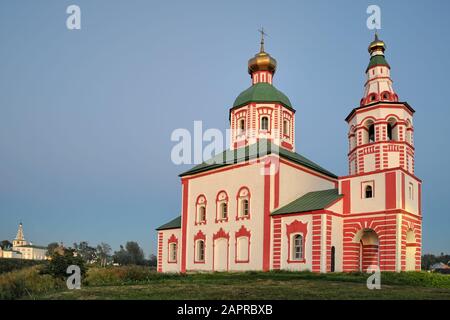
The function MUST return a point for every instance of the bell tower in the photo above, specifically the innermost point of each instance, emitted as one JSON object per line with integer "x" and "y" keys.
{"x": 381, "y": 128}
{"x": 20, "y": 239}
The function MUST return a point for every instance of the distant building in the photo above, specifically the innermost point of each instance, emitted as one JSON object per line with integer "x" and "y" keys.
{"x": 22, "y": 249}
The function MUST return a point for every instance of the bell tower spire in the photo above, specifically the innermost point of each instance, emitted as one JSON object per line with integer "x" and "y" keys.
{"x": 381, "y": 128}
{"x": 20, "y": 239}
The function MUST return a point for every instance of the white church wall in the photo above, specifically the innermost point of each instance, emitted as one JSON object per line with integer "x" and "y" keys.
{"x": 230, "y": 181}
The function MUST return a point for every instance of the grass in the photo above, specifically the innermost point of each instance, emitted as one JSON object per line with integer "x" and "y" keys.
{"x": 141, "y": 283}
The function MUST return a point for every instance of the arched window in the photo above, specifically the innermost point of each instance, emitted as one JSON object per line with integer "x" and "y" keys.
{"x": 389, "y": 132}
{"x": 369, "y": 192}
{"x": 392, "y": 130}
{"x": 286, "y": 127}
{"x": 202, "y": 214}
{"x": 200, "y": 254}
{"x": 241, "y": 126}
{"x": 200, "y": 217}
{"x": 243, "y": 204}
{"x": 386, "y": 96}
{"x": 173, "y": 252}
{"x": 244, "y": 207}
{"x": 371, "y": 133}
{"x": 264, "y": 123}
{"x": 297, "y": 248}
{"x": 223, "y": 210}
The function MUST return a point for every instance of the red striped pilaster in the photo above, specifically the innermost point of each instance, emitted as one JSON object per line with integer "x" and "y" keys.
{"x": 160, "y": 253}
{"x": 276, "y": 265}
{"x": 328, "y": 243}
{"x": 316, "y": 242}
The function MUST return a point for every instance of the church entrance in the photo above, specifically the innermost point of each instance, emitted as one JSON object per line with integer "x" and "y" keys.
{"x": 221, "y": 254}
{"x": 369, "y": 249}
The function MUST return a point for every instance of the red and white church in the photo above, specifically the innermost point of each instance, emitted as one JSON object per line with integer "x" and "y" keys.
{"x": 279, "y": 210}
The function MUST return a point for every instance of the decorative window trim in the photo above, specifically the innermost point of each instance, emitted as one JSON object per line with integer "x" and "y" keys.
{"x": 200, "y": 236}
{"x": 242, "y": 233}
{"x": 243, "y": 194}
{"x": 201, "y": 202}
{"x": 292, "y": 229}
{"x": 222, "y": 197}
{"x": 172, "y": 240}
{"x": 364, "y": 185}
{"x": 265, "y": 112}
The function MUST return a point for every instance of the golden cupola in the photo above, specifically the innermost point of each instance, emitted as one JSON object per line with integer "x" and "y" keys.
{"x": 377, "y": 45}
{"x": 262, "y": 61}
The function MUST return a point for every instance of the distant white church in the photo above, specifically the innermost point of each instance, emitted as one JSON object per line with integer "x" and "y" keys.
{"x": 22, "y": 249}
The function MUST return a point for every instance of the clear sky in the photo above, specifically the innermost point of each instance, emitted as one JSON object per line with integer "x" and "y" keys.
{"x": 86, "y": 115}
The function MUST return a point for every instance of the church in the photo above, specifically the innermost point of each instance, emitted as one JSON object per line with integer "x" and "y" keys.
{"x": 22, "y": 249}
{"x": 259, "y": 205}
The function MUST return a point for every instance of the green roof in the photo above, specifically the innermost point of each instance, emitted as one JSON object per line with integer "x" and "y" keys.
{"x": 256, "y": 150}
{"x": 262, "y": 92}
{"x": 377, "y": 60}
{"x": 315, "y": 200}
{"x": 172, "y": 224}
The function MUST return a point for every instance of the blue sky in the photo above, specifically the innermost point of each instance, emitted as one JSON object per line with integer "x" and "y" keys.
{"x": 86, "y": 115}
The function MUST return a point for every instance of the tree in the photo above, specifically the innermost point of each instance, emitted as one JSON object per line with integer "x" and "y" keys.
{"x": 152, "y": 261}
{"x": 6, "y": 244}
{"x": 57, "y": 266}
{"x": 89, "y": 254}
{"x": 135, "y": 252}
{"x": 103, "y": 253}
{"x": 51, "y": 248}
{"x": 130, "y": 254}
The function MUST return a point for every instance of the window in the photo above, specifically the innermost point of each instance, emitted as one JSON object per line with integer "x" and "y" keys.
{"x": 297, "y": 248}
{"x": 200, "y": 217}
{"x": 202, "y": 214}
{"x": 241, "y": 126}
{"x": 224, "y": 210}
{"x": 286, "y": 127}
{"x": 243, "y": 204}
{"x": 172, "y": 252}
{"x": 389, "y": 132}
{"x": 264, "y": 123}
{"x": 369, "y": 192}
{"x": 411, "y": 191}
{"x": 200, "y": 250}
{"x": 244, "y": 207}
{"x": 371, "y": 133}
{"x": 392, "y": 129}
{"x": 222, "y": 206}
{"x": 386, "y": 96}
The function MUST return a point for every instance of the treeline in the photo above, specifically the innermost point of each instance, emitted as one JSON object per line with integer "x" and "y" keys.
{"x": 429, "y": 259}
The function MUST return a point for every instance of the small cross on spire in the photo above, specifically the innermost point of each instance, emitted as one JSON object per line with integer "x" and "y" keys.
{"x": 263, "y": 33}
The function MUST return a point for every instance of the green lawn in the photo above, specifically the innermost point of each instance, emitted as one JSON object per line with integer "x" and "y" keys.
{"x": 256, "y": 285}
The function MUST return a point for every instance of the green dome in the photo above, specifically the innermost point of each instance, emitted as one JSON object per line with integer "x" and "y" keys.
{"x": 378, "y": 60}
{"x": 262, "y": 92}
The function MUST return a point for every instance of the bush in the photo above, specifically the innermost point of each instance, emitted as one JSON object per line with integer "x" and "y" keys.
{"x": 27, "y": 283}
{"x": 124, "y": 275}
{"x": 8, "y": 265}
{"x": 57, "y": 266}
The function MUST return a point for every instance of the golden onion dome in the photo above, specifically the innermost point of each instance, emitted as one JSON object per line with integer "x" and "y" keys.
{"x": 262, "y": 61}
{"x": 377, "y": 44}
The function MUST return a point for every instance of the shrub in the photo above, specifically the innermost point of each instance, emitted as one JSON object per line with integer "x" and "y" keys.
{"x": 27, "y": 283}
{"x": 8, "y": 265}
{"x": 57, "y": 266}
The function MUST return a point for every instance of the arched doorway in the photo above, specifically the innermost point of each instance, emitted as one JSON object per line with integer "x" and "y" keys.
{"x": 410, "y": 263}
{"x": 369, "y": 251}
